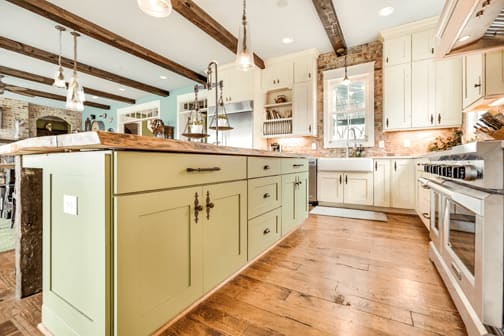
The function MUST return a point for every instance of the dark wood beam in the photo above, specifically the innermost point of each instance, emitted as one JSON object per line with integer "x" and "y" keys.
{"x": 70, "y": 20}
{"x": 47, "y": 56}
{"x": 192, "y": 12}
{"x": 49, "y": 81}
{"x": 36, "y": 93}
{"x": 329, "y": 19}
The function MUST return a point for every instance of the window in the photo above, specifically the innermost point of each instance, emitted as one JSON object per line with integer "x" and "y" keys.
{"x": 135, "y": 119}
{"x": 349, "y": 109}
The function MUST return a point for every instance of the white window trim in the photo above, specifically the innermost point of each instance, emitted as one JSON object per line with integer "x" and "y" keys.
{"x": 337, "y": 75}
{"x": 156, "y": 104}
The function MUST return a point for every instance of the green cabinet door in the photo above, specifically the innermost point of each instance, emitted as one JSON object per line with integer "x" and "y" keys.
{"x": 294, "y": 201}
{"x": 158, "y": 259}
{"x": 224, "y": 231}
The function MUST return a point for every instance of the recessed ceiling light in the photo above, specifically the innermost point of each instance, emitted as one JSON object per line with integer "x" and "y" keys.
{"x": 163, "y": 77}
{"x": 122, "y": 89}
{"x": 386, "y": 11}
{"x": 287, "y": 40}
{"x": 282, "y": 3}
{"x": 95, "y": 97}
{"x": 464, "y": 38}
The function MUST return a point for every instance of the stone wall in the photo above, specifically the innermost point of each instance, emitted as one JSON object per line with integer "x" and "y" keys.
{"x": 394, "y": 141}
{"x": 15, "y": 109}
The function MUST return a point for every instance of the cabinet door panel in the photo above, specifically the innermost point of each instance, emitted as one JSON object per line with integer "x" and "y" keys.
{"x": 397, "y": 97}
{"x": 288, "y": 203}
{"x": 301, "y": 198}
{"x": 423, "y": 94}
{"x": 473, "y": 79}
{"x": 449, "y": 92}
{"x": 304, "y": 67}
{"x": 224, "y": 231}
{"x": 330, "y": 187}
{"x": 422, "y": 45}
{"x": 358, "y": 188}
{"x": 158, "y": 258}
{"x": 397, "y": 50}
{"x": 303, "y": 109}
{"x": 264, "y": 195}
{"x": 381, "y": 183}
{"x": 494, "y": 69}
{"x": 403, "y": 184}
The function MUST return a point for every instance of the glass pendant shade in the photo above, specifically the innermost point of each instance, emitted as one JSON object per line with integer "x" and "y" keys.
{"x": 75, "y": 95}
{"x": 156, "y": 8}
{"x": 244, "y": 52}
{"x": 59, "y": 78}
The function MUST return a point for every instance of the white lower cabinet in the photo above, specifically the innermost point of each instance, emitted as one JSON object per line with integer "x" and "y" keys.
{"x": 402, "y": 183}
{"x": 347, "y": 188}
{"x": 381, "y": 183}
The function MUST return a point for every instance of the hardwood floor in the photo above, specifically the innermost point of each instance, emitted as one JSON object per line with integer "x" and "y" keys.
{"x": 333, "y": 276}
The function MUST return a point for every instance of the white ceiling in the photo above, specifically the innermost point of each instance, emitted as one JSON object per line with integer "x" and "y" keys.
{"x": 361, "y": 23}
{"x": 176, "y": 38}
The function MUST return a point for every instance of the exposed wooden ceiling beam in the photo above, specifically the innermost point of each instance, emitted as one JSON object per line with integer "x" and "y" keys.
{"x": 49, "y": 81}
{"x": 329, "y": 19}
{"x": 192, "y": 12}
{"x": 36, "y": 93}
{"x": 70, "y": 20}
{"x": 46, "y": 56}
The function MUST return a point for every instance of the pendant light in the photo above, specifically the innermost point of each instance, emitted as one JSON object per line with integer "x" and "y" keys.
{"x": 346, "y": 80}
{"x": 75, "y": 95}
{"x": 156, "y": 8}
{"x": 244, "y": 52}
{"x": 59, "y": 77}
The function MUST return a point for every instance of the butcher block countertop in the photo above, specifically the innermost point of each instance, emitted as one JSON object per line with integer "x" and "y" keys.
{"x": 117, "y": 141}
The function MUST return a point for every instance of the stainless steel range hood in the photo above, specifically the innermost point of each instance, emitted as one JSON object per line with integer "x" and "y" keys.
{"x": 470, "y": 26}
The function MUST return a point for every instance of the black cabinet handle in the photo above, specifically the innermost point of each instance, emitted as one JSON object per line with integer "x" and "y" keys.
{"x": 431, "y": 119}
{"x": 346, "y": 179}
{"x": 477, "y": 85}
{"x": 266, "y": 231}
{"x": 386, "y": 60}
{"x": 197, "y": 208}
{"x": 439, "y": 118}
{"x": 340, "y": 179}
{"x": 386, "y": 122}
{"x": 209, "y": 205}
{"x": 267, "y": 195}
{"x": 376, "y": 166}
{"x": 297, "y": 165}
{"x": 395, "y": 165}
{"x": 266, "y": 167}
{"x": 200, "y": 170}
{"x": 432, "y": 50}
{"x": 425, "y": 215}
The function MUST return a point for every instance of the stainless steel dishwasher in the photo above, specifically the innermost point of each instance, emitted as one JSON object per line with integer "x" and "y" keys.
{"x": 312, "y": 179}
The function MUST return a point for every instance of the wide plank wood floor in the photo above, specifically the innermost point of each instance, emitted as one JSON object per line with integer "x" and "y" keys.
{"x": 333, "y": 276}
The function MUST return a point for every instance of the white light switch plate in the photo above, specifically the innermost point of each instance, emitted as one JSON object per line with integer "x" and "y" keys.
{"x": 381, "y": 144}
{"x": 70, "y": 205}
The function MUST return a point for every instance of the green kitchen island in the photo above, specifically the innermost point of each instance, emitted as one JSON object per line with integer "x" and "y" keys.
{"x": 137, "y": 229}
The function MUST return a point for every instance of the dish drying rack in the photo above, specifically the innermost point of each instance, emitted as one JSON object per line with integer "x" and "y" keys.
{"x": 492, "y": 125}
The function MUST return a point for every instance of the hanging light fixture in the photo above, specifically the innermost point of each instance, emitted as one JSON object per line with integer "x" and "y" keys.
{"x": 156, "y": 8}
{"x": 59, "y": 77}
{"x": 75, "y": 95}
{"x": 346, "y": 80}
{"x": 244, "y": 52}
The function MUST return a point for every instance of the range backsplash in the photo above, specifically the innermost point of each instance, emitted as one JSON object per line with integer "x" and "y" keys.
{"x": 394, "y": 141}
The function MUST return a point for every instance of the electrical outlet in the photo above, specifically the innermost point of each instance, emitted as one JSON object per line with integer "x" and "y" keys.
{"x": 381, "y": 144}
{"x": 70, "y": 205}
{"x": 314, "y": 145}
{"x": 407, "y": 143}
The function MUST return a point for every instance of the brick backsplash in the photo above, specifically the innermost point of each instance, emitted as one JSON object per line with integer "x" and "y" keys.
{"x": 16, "y": 109}
{"x": 394, "y": 141}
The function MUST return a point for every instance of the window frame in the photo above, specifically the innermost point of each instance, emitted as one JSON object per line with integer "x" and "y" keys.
{"x": 335, "y": 77}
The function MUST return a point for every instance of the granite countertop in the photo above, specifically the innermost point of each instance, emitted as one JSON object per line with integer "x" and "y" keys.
{"x": 117, "y": 141}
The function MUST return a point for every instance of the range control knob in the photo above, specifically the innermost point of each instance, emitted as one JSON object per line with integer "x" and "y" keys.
{"x": 471, "y": 173}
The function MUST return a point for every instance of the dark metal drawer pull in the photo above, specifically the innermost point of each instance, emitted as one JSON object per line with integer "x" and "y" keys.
{"x": 267, "y": 195}
{"x": 266, "y": 231}
{"x": 197, "y": 208}
{"x": 266, "y": 167}
{"x": 298, "y": 165}
{"x": 457, "y": 271}
{"x": 426, "y": 215}
{"x": 200, "y": 170}
{"x": 209, "y": 205}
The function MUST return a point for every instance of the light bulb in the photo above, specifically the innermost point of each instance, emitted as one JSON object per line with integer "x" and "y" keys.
{"x": 75, "y": 95}
{"x": 59, "y": 79}
{"x": 346, "y": 81}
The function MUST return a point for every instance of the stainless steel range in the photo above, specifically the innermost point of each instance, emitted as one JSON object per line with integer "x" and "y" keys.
{"x": 467, "y": 230}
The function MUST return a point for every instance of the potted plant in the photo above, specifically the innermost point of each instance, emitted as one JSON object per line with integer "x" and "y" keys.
{"x": 222, "y": 120}
{"x": 196, "y": 126}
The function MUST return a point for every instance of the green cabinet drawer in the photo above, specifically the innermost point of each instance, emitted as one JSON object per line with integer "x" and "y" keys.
{"x": 294, "y": 165}
{"x": 263, "y": 232}
{"x": 138, "y": 171}
{"x": 263, "y": 166}
{"x": 264, "y": 194}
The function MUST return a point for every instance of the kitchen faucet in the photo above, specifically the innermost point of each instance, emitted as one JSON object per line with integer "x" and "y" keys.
{"x": 350, "y": 129}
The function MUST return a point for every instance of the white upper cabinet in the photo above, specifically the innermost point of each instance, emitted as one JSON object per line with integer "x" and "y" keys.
{"x": 448, "y": 93}
{"x": 397, "y": 97}
{"x": 494, "y": 69}
{"x": 303, "y": 109}
{"x": 278, "y": 75}
{"x": 305, "y": 68}
{"x": 397, "y": 50}
{"x": 238, "y": 85}
{"x": 473, "y": 79}
{"x": 423, "y": 109}
{"x": 422, "y": 45}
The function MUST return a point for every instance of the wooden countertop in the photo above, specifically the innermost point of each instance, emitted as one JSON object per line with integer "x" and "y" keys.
{"x": 117, "y": 141}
